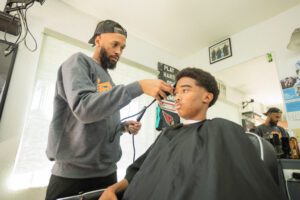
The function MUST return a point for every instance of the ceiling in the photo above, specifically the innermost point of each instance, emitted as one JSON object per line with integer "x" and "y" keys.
{"x": 183, "y": 27}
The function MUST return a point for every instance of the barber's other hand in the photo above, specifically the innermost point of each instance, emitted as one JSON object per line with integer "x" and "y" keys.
{"x": 156, "y": 88}
{"x": 279, "y": 134}
{"x": 108, "y": 194}
{"x": 132, "y": 126}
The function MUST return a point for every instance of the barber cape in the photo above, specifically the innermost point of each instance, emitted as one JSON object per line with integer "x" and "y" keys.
{"x": 210, "y": 160}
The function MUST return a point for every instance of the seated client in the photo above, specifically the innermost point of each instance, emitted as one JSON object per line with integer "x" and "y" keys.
{"x": 203, "y": 159}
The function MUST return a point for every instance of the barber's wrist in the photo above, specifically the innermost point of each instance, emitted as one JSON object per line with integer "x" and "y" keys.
{"x": 118, "y": 187}
{"x": 124, "y": 126}
{"x": 111, "y": 189}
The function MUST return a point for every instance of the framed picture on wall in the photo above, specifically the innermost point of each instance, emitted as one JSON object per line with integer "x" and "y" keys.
{"x": 220, "y": 51}
{"x": 6, "y": 68}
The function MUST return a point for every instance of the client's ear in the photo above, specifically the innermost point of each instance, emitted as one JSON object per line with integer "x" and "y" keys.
{"x": 208, "y": 97}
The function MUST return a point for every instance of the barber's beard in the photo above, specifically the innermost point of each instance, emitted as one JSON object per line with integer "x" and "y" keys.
{"x": 106, "y": 63}
{"x": 272, "y": 123}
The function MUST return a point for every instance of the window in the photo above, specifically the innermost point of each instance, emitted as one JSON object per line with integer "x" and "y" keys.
{"x": 32, "y": 168}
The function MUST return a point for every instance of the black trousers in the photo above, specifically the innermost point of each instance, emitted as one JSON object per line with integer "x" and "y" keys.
{"x": 63, "y": 187}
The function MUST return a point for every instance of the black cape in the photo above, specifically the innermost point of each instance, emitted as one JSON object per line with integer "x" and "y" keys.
{"x": 210, "y": 160}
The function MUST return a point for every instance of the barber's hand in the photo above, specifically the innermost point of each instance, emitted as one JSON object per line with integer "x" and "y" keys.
{"x": 278, "y": 133}
{"x": 108, "y": 194}
{"x": 156, "y": 88}
{"x": 132, "y": 127}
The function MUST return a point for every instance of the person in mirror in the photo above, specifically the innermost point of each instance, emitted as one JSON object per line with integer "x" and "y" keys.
{"x": 199, "y": 159}
{"x": 84, "y": 134}
{"x": 271, "y": 131}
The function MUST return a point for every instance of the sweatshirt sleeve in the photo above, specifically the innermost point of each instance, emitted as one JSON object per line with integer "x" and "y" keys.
{"x": 86, "y": 103}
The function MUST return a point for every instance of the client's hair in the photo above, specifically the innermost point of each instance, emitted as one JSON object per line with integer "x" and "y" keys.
{"x": 203, "y": 79}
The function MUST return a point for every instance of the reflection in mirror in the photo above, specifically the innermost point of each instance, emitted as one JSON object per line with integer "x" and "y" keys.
{"x": 257, "y": 80}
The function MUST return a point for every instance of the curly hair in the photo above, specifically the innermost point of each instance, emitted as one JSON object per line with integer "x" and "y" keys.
{"x": 203, "y": 79}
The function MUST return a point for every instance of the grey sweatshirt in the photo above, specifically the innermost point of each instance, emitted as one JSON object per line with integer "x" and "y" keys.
{"x": 84, "y": 135}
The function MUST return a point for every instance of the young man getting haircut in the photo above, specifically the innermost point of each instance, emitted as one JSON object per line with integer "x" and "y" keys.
{"x": 205, "y": 159}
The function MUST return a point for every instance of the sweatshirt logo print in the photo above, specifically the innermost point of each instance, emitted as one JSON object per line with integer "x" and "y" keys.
{"x": 103, "y": 87}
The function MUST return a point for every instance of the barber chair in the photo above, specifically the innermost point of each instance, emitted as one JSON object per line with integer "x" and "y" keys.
{"x": 92, "y": 195}
{"x": 267, "y": 153}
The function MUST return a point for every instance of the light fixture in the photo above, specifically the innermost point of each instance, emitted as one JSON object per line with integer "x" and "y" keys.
{"x": 245, "y": 103}
{"x": 24, "y": 1}
{"x": 20, "y": 4}
{"x": 13, "y": 21}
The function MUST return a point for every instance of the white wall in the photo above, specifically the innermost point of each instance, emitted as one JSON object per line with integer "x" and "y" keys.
{"x": 226, "y": 110}
{"x": 272, "y": 35}
{"x": 61, "y": 18}
{"x": 228, "y": 107}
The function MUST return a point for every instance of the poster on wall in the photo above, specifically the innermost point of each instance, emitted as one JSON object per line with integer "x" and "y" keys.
{"x": 291, "y": 93}
{"x": 166, "y": 114}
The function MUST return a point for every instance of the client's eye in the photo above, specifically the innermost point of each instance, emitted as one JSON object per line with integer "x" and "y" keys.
{"x": 185, "y": 90}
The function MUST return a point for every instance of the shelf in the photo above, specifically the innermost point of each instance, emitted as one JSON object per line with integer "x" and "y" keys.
{"x": 251, "y": 114}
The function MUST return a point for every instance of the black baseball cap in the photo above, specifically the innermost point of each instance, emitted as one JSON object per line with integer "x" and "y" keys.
{"x": 273, "y": 110}
{"x": 107, "y": 26}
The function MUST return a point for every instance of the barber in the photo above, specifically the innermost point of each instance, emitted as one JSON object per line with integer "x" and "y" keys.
{"x": 274, "y": 133}
{"x": 84, "y": 135}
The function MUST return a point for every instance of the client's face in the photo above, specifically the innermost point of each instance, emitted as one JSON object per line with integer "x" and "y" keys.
{"x": 190, "y": 99}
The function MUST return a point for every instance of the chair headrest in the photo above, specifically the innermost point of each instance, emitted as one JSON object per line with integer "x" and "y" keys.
{"x": 266, "y": 152}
